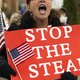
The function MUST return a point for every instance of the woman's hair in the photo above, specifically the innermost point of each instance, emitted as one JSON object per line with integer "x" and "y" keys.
{"x": 62, "y": 10}
{"x": 28, "y": 1}
{"x": 54, "y": 13}
{"x": 27, "y": 20}
{"x": 54, "y": 18}
{"x": 15, "y": 18}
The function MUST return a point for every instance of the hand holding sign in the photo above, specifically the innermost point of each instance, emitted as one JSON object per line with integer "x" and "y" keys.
{"x": 6, "y": 69}
{"x": 68, "y": 76}
{"x": 54, "y": 52}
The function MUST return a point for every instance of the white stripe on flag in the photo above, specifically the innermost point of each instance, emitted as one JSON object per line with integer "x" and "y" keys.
{"x": 2, "y": 44}
{"x": 25, "y": 53}
{"x": 1, "y": 39}
{"x": 1, "y": 33}
{"x": 24, "y": 59}
{"x": 22, "y": 46}
{"x": 25, "y": 50}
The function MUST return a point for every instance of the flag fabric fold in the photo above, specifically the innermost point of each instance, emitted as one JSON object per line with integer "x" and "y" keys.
{"x": 5, "y": 21}
{"x": 21, "y": 53}
{"x": 2, "y": 40}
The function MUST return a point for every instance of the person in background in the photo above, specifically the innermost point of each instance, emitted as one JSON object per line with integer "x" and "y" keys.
{"x": 22, "y": 8}
{"x": 15, "y": 21}
{"x": 54, "y": 18}
{"x": 5, "y": 69}
{"x": 63, "y": 16}
{"x": 39, "y": 15}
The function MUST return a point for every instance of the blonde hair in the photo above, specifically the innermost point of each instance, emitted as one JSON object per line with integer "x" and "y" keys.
{"x": 15, "y": 18}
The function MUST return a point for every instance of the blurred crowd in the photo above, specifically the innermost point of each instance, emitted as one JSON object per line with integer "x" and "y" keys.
{"x": 57, "y": 5}
{"x": 61, "y": 14}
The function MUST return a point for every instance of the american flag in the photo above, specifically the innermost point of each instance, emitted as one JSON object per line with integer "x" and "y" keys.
{"x": 2, "y": 41}
{"x": 21, "y": 53}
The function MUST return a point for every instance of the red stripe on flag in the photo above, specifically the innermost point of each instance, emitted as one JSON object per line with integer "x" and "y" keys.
{"x": 25, "y": 52}
{"x": 2, "y": 41}
{"x": 21, "y": 59}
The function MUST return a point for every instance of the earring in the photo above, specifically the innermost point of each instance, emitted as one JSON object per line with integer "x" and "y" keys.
{"x": 28, "y": 8}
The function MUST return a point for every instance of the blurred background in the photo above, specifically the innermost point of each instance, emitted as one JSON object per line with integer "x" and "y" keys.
{"x": 72, "y": 6}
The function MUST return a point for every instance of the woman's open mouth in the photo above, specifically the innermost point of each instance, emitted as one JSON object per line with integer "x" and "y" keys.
{"x": 42, "y": 9}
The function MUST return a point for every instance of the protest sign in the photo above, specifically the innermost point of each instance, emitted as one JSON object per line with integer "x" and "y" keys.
{"x": 52, "y": 51}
